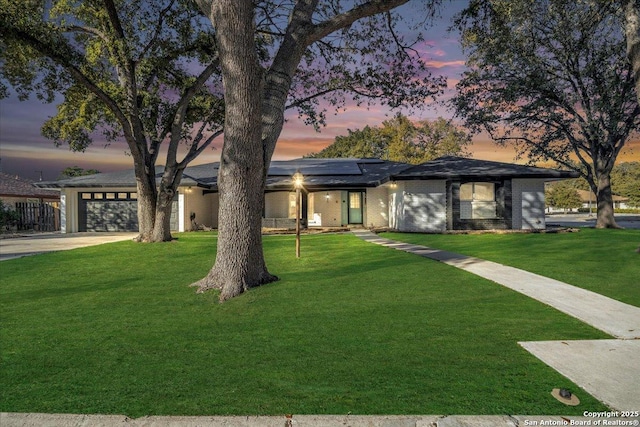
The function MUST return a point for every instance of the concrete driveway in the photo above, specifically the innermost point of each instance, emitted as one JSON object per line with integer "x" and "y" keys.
{"x": 17, "y": 247}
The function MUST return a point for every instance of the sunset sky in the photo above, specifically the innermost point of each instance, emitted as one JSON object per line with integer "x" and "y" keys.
{"x": 24, "y": 152}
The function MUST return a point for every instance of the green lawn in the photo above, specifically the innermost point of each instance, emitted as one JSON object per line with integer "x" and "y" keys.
{"x": 350, "y": 327}
{"x": 603, "y": 261}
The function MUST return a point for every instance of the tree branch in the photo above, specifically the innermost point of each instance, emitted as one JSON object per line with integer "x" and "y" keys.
{"x": 345, "y": 19}
{"x": 158, "y": 29}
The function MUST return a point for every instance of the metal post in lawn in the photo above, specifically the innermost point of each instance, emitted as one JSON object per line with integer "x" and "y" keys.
{"x": 298, "y": 179}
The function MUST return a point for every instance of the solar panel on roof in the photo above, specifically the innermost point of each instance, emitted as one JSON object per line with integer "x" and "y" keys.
{"x": 315, "y": 167}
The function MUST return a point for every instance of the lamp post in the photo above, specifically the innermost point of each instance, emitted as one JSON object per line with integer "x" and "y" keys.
{"x": 298, "y": 180}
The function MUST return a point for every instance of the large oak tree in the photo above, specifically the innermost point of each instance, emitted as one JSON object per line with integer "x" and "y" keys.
{"x": 553, "y": 78}
{"x": 137, "y": 70}
{"x": 276, "y": 55}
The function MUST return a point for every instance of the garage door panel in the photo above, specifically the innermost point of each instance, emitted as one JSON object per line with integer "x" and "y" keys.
{"x": 99, "y": 213}
{"x": 111, "y": 216}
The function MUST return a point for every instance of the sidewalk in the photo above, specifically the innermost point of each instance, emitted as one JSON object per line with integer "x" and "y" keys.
{"x": 608, "y": 369}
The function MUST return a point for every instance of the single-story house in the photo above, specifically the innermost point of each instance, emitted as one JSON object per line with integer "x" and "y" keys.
{"x": 37, "y": 208}
{"x": 588, "y": 199}
{"x": 14, "y": 189}
{"x": 449, "y": 193}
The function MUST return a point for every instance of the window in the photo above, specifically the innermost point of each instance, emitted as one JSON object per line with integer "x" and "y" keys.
{"x": 481, "y": 191}
{"x": 478, "y": 200}
{"x": 310, "y": 206}
{"x": 354, "y": 200}
{"x": 292, "y": 205}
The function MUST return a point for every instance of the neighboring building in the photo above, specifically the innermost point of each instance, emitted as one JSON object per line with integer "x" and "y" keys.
{"x": 449, "y": 193}
{"x": 14, "y": 189}
{"x": 589, "y": 200}
{"x": 37, "y": 208}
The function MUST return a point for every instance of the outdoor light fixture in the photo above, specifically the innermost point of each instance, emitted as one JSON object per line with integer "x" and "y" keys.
{"x": 298, "y": 180}
{"x": 327, "y": 197}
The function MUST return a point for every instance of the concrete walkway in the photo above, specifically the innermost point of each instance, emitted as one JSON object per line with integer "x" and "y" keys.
{"x": 17, "y": 247}
{"x": 613, "y": 317}
{"x": 608, "y": 369}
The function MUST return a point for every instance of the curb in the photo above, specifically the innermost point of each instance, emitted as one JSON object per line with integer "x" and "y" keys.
{"x": 13, "y": 419}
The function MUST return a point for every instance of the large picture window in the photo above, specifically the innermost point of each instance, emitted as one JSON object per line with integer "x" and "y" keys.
{"x": 478, "y": 200}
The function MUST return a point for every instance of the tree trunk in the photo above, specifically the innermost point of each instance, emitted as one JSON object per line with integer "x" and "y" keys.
{"x": 239, "y": 263}
{"x": 147, "y": 198}
{"x": 162, "y": 225}
{"x": 154, "y": 204}
{"x": 604, "y": 197}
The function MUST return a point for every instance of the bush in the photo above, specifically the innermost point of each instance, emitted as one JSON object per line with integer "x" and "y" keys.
{"x": 8, "y": 216}
{"x": 616, "y": 210}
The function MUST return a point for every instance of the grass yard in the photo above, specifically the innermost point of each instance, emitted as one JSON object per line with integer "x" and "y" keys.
{"x": 602, "y": 261}
{"x": 350, "y": 327}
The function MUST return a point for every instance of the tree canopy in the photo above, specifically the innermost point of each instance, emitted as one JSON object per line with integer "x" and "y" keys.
{"x": 401, "y": 140}
{"x": 552, "y": 78}
{"x": 143, "y": 71}
{"x": 625, "y": 181}
{"x": 73, "y": 171}
{"x": 562, "y": 194}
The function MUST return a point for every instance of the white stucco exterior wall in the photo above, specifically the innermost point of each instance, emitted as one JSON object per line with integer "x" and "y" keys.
{"x": 329, "y": 208}
{"x": 376, "y": 213}
{"x": 418, "y": 206}
{"x": 70, "y": 210}
{"x": 205, "y": 206}
{"x": 276, "y": 205}
{"x": 528, "y": 204}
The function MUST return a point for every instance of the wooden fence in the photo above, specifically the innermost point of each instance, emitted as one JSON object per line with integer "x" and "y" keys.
{"x": 38, "y": 216}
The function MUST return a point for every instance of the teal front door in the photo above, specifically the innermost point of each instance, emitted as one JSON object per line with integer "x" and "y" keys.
{"x": 355, "y": 207}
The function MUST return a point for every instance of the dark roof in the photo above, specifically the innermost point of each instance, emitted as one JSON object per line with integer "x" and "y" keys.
{"x": 450, "y": 167}
{"x": 125, "y": 178}
{"x": 332, "y": 173}
{"x": 14, "y": 186}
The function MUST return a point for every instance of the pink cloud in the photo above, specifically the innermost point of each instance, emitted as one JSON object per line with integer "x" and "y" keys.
{"x": 445, "y": 64}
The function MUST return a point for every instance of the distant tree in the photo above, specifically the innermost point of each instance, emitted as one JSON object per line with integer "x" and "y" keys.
{"x": 142, "y": 71}
{"x": 401, "y": 140}
{"x": 625, "y": 181}
{"x": 367, "y": 142}
{"x": 552, "y": 77}
{"x": 73, "y": 171}
{"x": 562, "y": 195}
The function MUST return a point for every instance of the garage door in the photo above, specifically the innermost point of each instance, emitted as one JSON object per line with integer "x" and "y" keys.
{"x": 113, "y": 211}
